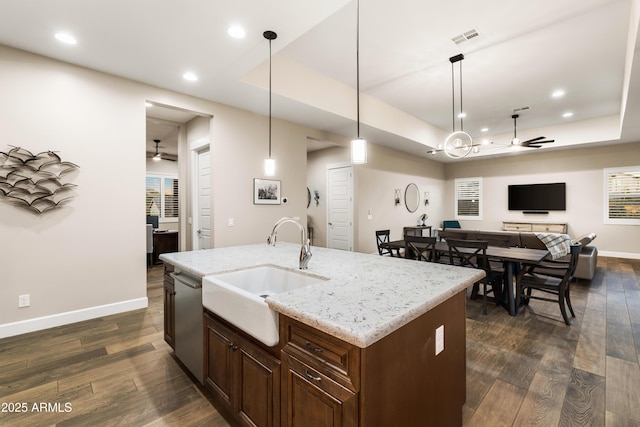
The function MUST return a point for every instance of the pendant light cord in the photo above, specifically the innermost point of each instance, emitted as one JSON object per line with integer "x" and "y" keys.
{"x": 358, "y": 67}
{"x": 453, "y": 100}
{"x": 461, "y": 110}
{"x": 269, "y": 98}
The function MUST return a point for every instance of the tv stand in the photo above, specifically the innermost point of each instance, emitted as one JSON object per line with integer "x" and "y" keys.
{"x": 549, "y": 227}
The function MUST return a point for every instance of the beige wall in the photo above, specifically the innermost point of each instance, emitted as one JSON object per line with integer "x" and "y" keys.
{"x": 89, "y": 259}
{"x": 91, "y": 253}
{"x": 374, "y": 190}
{"x": 581, "y": 169}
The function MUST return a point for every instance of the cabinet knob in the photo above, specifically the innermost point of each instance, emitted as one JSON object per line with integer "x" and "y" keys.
{"x": 311, "y": 376}
{"x": 232, "y": 346}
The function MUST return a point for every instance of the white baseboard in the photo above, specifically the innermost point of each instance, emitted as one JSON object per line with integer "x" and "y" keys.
{"x": 610, "y": 254}
{"x": 46, "y": 322}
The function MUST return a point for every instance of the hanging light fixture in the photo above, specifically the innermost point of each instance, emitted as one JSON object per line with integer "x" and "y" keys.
{"x": 269, "y": 163}
{"x": 358, "y": 145}
{"x": 458, "y": 144}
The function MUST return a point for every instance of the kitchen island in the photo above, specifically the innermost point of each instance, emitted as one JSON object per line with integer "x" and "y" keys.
{"x": 380, "y": 342}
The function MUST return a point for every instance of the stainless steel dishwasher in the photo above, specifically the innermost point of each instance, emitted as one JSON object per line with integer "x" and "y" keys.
{"x": 188, "y": 322}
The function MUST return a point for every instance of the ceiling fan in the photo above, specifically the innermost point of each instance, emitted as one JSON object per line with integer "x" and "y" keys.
{"x": 529, "y": 143}
{"x": 160, "y": 156}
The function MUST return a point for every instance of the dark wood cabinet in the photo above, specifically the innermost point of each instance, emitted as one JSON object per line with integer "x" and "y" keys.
{"x": 311, "y": 378}
{"x": 399, "y": 380}
{"x": 169, "y": 306}
{"x": 320, "y": 378}
{"x": 164, "y": 242}
{"x": 244, "y": 376}
{"x": 310, "y": 398}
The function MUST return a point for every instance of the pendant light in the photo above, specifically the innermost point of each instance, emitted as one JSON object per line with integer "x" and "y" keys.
{"x": 358, "y": 145}
{"x": 458, "y": 144}
{"x": 269, "y": 163}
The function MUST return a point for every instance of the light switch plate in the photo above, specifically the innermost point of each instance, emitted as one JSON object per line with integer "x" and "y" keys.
{"x": 439, "y": 339}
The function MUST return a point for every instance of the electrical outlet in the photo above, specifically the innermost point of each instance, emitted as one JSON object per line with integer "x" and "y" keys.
{"x": 24, "y": 301}
{"x": 439, "y": 339}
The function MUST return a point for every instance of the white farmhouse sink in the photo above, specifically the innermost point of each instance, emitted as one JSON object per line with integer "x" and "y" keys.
{"x": 238, "y": 297}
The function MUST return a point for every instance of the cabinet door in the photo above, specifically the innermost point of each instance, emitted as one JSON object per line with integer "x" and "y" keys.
{"x": 169, "y": 311}
{"x": 257, "y": 377}
{"x": 312, "y": 399}
{"x": 219, "y": 349}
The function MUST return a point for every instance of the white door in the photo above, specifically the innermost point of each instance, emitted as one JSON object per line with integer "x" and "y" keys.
{"x": 340, "y": 208}
{"x": 202, "y": 208}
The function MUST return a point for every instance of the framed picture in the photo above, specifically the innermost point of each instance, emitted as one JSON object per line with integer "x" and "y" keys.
{"x": 266, "y": 191}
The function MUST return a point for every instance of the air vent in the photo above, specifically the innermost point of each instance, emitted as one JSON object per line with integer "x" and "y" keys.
{"x": 517, "y": 110}
{"x": 467, "y": 35}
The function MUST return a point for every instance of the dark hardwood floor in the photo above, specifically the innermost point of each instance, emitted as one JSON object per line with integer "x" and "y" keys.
{"x": 531, "y": 369}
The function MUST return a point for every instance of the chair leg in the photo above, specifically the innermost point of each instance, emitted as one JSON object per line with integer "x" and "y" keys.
{"x": 567, "y": 298}
{"x": 563, "y": 310}
{"x": 484, "y": 298}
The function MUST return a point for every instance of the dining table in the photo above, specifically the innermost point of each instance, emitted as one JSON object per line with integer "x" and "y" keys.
{"x": 511, "y": 258}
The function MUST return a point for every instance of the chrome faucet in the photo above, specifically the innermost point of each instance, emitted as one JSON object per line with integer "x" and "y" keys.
{"x": 305, "y": 250}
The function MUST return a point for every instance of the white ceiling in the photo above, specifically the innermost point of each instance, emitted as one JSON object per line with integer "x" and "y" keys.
{"x": 524, "y": 52}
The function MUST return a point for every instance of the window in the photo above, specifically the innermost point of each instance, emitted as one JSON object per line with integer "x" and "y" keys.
{"x": 162, "y": 197}
{"x": 622, "y": 195}
{"x": 468, "y": 198}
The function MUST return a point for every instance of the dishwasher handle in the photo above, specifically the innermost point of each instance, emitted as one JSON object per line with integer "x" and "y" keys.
{"x": 186, "y": 280}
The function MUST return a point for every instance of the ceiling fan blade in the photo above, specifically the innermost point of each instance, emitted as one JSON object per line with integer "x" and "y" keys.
{"x": 544, "y": 142}
{"x": 533, "y": 140}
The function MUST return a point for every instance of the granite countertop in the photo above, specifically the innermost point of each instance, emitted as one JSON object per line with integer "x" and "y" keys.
{"x": 366, "y": 297}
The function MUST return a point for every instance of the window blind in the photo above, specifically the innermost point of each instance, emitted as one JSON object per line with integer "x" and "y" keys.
{"x": 162, "y": 197}
{"x": 468, "y": 193}
{"x": 623, "y": 194}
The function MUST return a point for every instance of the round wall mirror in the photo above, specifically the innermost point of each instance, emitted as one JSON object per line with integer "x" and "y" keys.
{"x": 412, "y": 197}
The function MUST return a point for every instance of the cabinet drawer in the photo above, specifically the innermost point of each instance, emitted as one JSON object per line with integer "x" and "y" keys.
{"x": 512, "y": 226}
{"x": 331, "y": 356}
{"x": 550, "y": 228}
{"x": 312, "y": 399}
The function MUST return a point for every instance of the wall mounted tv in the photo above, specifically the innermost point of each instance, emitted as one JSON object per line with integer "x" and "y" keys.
{"x": 538, "y": 198}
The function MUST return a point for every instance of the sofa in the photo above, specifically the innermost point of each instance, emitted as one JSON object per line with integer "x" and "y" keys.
{"x": 587, "y": 260}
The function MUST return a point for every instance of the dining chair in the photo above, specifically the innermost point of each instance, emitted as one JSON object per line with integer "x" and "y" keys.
{"x": 422, "y": 248}
{"x": 499, "y": 240}
{"x": 473, "y": 253}
{"x": 382, "y": 241}
{"x": 556, "y": 281}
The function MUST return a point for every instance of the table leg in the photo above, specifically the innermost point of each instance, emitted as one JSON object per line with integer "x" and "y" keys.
{"x": 508, "y": 271}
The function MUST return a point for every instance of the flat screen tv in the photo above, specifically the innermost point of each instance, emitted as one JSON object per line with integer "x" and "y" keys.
{"x": 538, "y": 197}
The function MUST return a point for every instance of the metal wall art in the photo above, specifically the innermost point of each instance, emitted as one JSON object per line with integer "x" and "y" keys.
{"x": 38, "y": 183}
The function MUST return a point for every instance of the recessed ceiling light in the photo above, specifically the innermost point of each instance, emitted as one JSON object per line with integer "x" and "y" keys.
{"x": 236, "y": 31}
{"x": 567, "y": 114}
{"x": 484, "y": 130}
{"x": 189, "y": 76}
{"x": 558, "y": 93}
{"x": 66, "y": 38}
